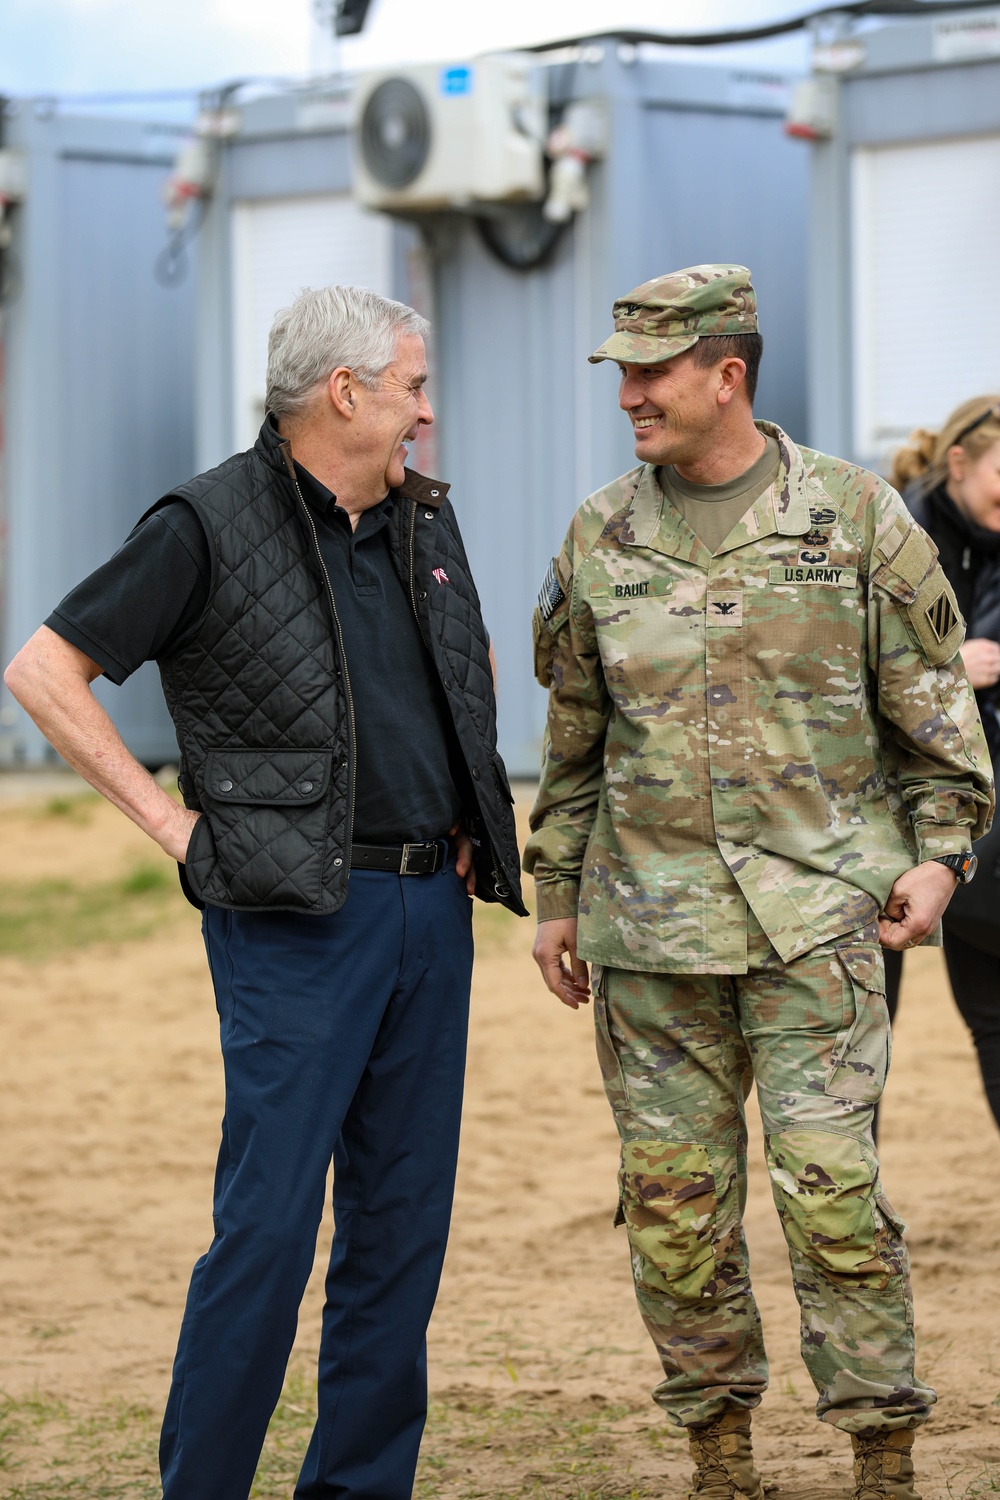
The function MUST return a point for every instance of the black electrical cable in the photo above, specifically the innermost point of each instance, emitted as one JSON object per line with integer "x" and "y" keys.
{"x": 172, "y": 264}
{"x": 521, "y": 238}
{"x": 857, "y": 10}
{"x": 10, "y": 270}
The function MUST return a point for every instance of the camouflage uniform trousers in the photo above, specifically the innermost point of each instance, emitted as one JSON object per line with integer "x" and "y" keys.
{"x": 679, "y": 1054}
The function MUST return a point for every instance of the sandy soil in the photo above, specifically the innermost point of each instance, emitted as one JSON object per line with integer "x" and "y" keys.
{"x": 110, "y": 1100}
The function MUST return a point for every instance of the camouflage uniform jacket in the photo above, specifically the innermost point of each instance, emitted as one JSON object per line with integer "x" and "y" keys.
{"x": 786, "y": 721}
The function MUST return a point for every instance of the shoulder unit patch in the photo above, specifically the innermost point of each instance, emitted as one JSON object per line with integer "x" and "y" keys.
{"x": 941, "y": 616}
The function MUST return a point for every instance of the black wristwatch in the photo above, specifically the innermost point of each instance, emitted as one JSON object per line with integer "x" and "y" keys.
{"x": 962, "y": 866}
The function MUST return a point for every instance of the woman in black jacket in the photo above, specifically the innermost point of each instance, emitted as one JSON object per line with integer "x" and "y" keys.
{"x": 951, "y": 482}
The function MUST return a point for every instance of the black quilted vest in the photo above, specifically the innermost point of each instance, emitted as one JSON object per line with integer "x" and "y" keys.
{"x": 261, "y": 702}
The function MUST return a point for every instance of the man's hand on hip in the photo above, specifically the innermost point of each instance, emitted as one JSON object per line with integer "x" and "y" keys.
{"x": 915, "y": 906}
{"x": 51, "y": 679}
{"x": 463, "y": 857}
{"x": 175, "y": 835}
{"x": 555, "y": 940}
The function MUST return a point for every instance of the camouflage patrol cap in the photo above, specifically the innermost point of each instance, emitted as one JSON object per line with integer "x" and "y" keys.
{"x": 665, "y": 316}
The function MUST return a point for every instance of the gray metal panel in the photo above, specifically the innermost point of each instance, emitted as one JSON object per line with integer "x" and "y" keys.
{"x": 702, "y": 87}
{"x": 132, "y": 438}
{"x": 290, "y": 166}
{"x": 905, "y": 46}
{"x": 960, "y": 100}
{"x": 828, "y": 323}
{"x": 99, "y": 392}
{"x": 213, "y": 331}
{"x": 506, "y": 355}
{"x": 735, "y": 190}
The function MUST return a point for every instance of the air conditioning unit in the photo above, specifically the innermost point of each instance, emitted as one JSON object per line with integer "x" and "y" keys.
{"x": 452, "y": 135}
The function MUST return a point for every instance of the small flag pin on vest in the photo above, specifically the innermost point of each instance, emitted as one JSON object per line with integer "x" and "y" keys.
{"x": 440, "y": 575}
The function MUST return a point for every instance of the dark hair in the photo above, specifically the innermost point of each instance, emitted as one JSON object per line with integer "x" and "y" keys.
{"x": 748, "y": 347}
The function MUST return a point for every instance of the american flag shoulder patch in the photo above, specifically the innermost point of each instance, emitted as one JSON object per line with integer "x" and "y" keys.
{"x": 551, "y": 594}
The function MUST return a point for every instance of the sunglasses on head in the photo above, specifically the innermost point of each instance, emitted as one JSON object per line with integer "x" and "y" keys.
{"x": 991, "y": 411}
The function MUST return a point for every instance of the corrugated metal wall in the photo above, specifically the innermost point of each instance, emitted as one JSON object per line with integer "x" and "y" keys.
{"x": 98, "y": 398}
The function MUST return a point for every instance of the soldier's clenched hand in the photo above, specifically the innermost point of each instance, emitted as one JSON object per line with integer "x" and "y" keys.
{"x": 915, "y": 906}
{"x": 555, "y": 941}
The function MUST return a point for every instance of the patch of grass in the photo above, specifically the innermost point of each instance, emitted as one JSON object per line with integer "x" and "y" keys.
{"x": 49, "y": 1331}
{"x": 287, "y": 1438}
{"x": 47, "y": 1452}
{"x": 77, "y": 808}
{"x": 523, "y": 1448}
{"x": 986, "y": 1483}
{"x": 45, "y": 917}
{"x": 475, "y": 1448}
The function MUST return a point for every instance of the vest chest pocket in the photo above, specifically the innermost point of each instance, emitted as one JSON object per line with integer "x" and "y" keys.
{"x": 263, "y": 840}
{"x": 267, "y": 778}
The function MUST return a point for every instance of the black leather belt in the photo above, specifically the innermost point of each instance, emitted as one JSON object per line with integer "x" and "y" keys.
{"x": 402, "y": 859}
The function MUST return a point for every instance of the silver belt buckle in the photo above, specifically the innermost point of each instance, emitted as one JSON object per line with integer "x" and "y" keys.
{"x": 408, "y": 850}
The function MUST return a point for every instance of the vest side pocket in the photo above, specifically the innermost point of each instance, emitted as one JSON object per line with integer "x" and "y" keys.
{"x": 266, "y": 840}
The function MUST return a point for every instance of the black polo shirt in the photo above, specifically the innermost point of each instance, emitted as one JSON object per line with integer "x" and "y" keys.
{"x": 147, "y": 600}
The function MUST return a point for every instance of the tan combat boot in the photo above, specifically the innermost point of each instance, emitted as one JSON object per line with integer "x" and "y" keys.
{"x": 883, "y": 1468}
{"x": 723, "y": 1460}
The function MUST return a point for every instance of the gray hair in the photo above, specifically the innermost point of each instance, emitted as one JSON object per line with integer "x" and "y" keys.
{"x": 324, "y": 329}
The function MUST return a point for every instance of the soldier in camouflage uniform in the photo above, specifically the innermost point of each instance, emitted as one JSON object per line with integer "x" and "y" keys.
{"x": 761, "y": 743}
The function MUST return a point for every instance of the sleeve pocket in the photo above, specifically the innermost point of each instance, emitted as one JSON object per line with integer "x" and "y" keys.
{"x": 916, "y": 581}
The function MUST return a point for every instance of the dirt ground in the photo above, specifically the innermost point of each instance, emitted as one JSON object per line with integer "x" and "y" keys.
{"x": 110, "y": 1101}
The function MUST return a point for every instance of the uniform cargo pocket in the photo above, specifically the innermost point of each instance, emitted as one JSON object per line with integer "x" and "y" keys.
{"x": 607, "y": 1052}
{"x": 266, "y": 837}
{"x": 860, "y": 1058}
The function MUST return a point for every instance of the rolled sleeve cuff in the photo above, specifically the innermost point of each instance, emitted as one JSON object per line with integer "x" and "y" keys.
{"x": 934, "y": 839}
{"x": 555, "y": 899}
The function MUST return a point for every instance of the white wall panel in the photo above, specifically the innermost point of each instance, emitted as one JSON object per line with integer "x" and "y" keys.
{"x": 926, "y": 235}
{"x": 279, "y": 247}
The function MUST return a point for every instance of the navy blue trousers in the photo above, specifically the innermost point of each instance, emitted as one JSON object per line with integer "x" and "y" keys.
{"x": 343, "y": 1039}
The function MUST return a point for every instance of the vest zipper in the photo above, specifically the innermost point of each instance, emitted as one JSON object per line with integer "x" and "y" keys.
{"x": 352, "y": 744}
{"x": 498, "y": 877}
{"x": 413, "y": 585}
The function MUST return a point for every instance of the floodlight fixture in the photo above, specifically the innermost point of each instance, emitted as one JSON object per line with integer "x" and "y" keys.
{"x": 350, "y": 15}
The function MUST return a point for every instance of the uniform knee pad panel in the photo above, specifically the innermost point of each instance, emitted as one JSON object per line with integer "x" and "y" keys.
{"x": 671, "y": 1203}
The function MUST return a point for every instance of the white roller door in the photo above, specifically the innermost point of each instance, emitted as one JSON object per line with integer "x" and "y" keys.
{"x": 279, "y": 247}
{"x": 926, "y": 226}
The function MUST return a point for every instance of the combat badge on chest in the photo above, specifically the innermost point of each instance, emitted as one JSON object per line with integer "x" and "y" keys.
{"x": 816, "y": 562}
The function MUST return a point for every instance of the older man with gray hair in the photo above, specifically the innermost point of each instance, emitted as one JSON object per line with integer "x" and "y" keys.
{"x": 311, "y": 609}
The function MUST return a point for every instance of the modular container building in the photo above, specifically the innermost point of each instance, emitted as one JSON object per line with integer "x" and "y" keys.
{"x": 97, "y": 398}
{"x": 905, "y": 229}
{"x": 696, "y": 167}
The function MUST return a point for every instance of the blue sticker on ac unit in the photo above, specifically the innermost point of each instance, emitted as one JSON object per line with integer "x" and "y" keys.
{"x": 456, "y": 80}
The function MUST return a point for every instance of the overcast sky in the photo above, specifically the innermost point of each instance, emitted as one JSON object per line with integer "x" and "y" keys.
{"x": 92, "y": 46}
